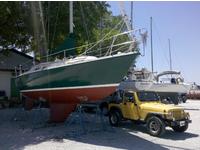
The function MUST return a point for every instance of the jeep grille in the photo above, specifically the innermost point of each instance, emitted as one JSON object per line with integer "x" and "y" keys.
{"x": 178, "y": 114}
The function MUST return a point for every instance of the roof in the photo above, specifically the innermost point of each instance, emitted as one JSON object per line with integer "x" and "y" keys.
{"x": 22, "y": 54}
{"x": 9, "y": 59}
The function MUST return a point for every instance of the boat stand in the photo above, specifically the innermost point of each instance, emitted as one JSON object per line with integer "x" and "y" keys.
{"x": 34, "y": 118}
{"x": 81, "y": 121}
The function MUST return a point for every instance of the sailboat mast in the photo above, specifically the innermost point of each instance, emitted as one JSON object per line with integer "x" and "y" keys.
{"x": 151, "y": 45}
{"x": 170, "y": 56}
{"x": 71, "y": 16}
{"x": 131, "y": 15}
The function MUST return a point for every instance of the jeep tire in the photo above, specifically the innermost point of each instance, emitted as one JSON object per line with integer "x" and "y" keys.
{"x": 155, "y": 126}
{"x": 114, "y": 118}
{"x": 180, "y": 129}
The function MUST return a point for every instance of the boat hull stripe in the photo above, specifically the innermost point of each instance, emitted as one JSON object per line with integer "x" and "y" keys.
{"x": 76, "y": 87}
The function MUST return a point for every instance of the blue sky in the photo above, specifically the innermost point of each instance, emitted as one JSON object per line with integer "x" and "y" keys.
{"x": 178, "y": 21}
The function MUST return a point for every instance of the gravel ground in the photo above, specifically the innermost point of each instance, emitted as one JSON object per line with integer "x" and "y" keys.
{"x": 29, "y": 131}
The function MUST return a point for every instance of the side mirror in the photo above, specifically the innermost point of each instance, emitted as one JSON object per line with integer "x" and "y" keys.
{"x": 131, "y": 99}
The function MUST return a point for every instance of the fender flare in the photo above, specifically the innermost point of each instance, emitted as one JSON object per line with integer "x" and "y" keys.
{"x": 153, "y": 114}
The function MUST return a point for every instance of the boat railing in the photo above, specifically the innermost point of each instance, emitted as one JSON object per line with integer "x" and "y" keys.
{"x": 94, "y": 48}
{"x": 19, "y": 69}
{"x": 116, "y": 44}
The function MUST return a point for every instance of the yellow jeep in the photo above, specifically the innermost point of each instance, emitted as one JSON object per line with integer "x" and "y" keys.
{"x": 145, "y": 107}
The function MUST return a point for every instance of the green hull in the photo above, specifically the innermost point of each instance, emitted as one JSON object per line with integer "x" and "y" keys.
{"x": 97, "y": 72}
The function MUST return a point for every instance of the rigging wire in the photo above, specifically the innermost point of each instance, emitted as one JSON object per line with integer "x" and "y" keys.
{"x": 105, "y": 36}
{"x": 114, "y": 39}
{"x": 86, "y": 45}
{"x": 156, "y": 28}
{"x": 160, "y": 41}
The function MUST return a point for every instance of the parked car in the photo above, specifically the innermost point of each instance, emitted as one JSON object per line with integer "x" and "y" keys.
{"x": 145, "y": 107}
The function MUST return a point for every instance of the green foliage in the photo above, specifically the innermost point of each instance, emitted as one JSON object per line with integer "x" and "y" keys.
{"x": 22, "y": 25}
{"x": 14, "y": 25}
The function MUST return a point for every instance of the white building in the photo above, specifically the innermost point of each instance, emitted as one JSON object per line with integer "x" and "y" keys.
{"x": 9, "y": 59}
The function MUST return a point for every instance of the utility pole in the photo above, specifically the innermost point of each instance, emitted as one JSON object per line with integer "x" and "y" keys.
{"x": 170, "y": 56}
{"x": 151, "y": 44}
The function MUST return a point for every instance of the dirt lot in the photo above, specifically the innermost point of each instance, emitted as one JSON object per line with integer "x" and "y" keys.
{"x": 29, "y": 131}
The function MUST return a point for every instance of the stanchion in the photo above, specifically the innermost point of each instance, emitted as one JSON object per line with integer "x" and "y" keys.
{"x": 82, "y": 122}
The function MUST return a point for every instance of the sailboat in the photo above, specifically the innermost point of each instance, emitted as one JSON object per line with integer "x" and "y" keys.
{"x": 173, "y": 88}
{"x": 70, "y": 81}
{"x": 137, "y": 80}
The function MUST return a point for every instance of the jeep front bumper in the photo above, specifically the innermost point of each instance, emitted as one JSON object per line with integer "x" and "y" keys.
{"x": 179, "y": 123}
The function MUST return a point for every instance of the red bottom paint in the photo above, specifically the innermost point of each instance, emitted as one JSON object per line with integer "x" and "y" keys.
{"x": 63, "y": 101}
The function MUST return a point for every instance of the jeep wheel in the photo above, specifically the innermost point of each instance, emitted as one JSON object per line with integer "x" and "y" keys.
{"x": 180, "y": 129}
{"x": 114, "y": 118}
{"x": 155, "y": 126}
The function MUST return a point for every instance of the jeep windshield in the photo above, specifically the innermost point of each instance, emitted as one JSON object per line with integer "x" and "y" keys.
{"x": 147, "y": 96}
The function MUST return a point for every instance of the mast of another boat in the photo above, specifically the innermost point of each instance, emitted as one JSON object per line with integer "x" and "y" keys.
{"x": 152, "y": 67}
{"x": 131, "y": 15}
{"x": 170, "y": 56}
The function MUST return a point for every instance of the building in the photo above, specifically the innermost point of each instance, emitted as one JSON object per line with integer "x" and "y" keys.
{"x": 9, "y": 60}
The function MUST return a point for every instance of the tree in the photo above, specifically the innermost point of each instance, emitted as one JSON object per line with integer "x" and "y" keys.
{"x": 14, "y": 30}
{"x": 43, "y": 26}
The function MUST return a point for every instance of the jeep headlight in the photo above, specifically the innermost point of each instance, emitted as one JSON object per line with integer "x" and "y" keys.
{"x": 182, "y": 112}
{"x": 169, "y": 115}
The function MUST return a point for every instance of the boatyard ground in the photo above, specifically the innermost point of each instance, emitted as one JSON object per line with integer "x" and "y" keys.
{"x": 28, "y": 130}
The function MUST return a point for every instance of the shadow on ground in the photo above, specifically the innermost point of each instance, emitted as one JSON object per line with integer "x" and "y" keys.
{"x": 117, "y": 138}
{"x": 169, "y": 134}
{"x": 20, "y": 134}
{"x": 178, "y": 136}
